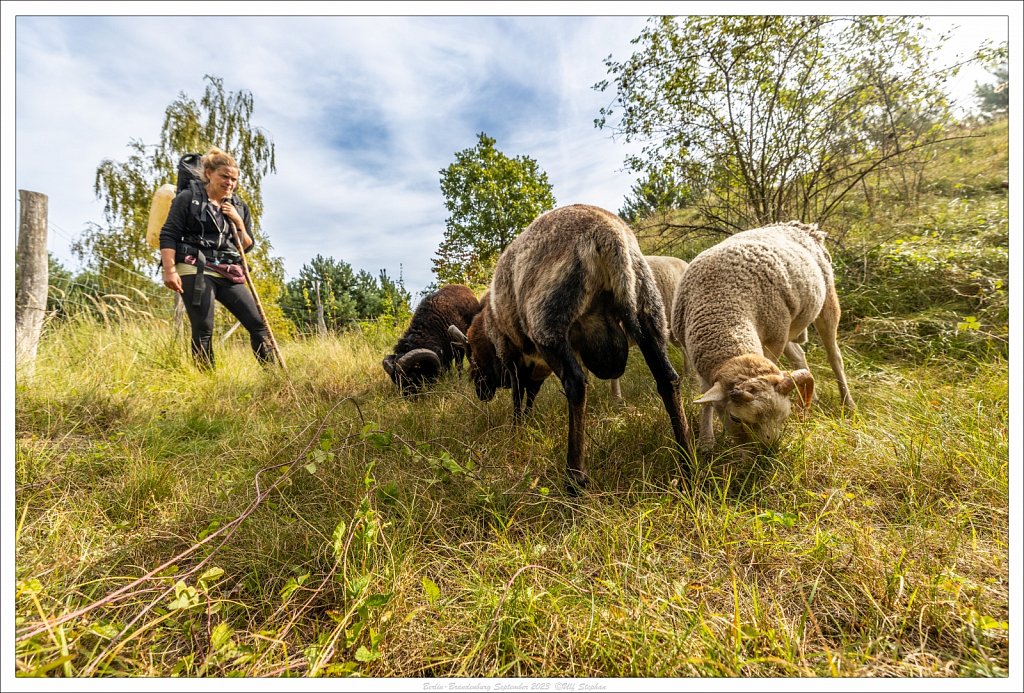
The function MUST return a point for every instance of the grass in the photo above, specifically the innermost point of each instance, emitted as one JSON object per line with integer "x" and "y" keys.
{"x": 358, "y": 533}
{"x": 251, "y": 522}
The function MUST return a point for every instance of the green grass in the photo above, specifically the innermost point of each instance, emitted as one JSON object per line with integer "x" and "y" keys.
{"x": 251, "y": 522}
{"x": 363, "y": 533}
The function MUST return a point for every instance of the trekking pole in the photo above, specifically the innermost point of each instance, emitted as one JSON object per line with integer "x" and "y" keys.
{"x": 256, "y": 296}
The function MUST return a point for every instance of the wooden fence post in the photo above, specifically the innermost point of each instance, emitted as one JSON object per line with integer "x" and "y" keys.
{"x": 34, "y": 278}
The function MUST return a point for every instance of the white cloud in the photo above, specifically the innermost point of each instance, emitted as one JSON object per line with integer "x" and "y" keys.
{"x": 364, "y": 112}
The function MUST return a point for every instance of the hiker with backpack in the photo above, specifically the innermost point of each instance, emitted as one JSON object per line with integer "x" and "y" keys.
{"x": 200, "y": 259}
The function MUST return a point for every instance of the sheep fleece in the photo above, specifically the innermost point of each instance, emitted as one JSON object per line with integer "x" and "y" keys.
{"x": 557, "y": 268}
{"x": 763, "y": 286}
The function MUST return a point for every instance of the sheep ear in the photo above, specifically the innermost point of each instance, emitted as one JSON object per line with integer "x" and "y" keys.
{"x": 802, "y": 380}
{"x": 715, "y": 394}
{"x": 456, "y": 334}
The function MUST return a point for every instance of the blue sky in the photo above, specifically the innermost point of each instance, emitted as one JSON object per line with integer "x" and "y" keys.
{"x": 364, "y": 110}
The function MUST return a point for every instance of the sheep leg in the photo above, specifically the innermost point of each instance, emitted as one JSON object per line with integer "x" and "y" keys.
{"x": 517, "y": 403}
{"x": 458, "y": 351}
{"x": 524, "y": 384}
{"x": 706, "y": 425}
{"x": 616, "y": 391}
{"x": 574, "y": 382}
{"x": 645, "y": 335}
{"x": 706, "y": 440}
{"x": 532, "y": 387}
{"x": 795, "y": 353}
{"x": 827, "y": 325}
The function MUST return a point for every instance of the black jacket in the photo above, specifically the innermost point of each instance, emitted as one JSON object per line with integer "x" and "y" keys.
{"x": 190, "y": 222}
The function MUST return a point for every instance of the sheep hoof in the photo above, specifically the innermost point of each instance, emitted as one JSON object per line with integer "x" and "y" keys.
{"x": 576, "y": 482}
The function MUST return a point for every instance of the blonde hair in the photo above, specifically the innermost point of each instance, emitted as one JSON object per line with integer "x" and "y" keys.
{"x": 214, "y": 159}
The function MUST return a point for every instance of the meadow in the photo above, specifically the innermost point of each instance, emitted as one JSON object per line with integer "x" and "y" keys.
{"x": 313, "y": 522}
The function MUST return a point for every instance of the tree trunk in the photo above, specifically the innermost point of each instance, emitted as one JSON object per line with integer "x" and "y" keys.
{"x": 34, "y": 270}
{"x": 321, "y": 326}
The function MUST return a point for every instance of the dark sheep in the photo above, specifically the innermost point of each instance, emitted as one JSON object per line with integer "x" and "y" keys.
{"x": 426, "y": 351}
{"x": 567, "y": 296}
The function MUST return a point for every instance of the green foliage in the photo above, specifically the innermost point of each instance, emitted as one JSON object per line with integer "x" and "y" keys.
{"x": 491, "y": 198}
{"x": 322, "y": 525}
{"x": 118, "y": 253}
{"x": 995, "y": 98}
{"x": 660, "y": 191}
{"x": 351, "y": 532}
{"x": 343, "y": 296}
{"x": 786, "y": 114}
{"x": 941, "y": 288}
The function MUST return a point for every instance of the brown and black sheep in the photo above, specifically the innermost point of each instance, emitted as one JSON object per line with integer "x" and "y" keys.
{"x": 567, "y": 296}
{"x": 426, "y": 351}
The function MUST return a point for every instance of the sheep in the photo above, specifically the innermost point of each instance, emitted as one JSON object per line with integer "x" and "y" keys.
{"x": 739, "y": 306}
{"x": 567, "y": 295}
{"x": 425, "y": 352}
{"x": 667, "y": 271}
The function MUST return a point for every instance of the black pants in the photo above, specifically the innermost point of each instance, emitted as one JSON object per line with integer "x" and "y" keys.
{"x": 239, "y": 301}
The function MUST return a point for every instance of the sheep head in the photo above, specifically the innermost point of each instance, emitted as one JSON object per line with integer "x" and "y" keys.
{"x": 485, "y": 368}
{"x": 411, "y": 370}
{"x": 753, "y": 397}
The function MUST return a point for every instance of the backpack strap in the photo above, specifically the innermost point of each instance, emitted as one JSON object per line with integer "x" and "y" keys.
{"x": 198, "y": 195}
{"x": 198, "y": 207}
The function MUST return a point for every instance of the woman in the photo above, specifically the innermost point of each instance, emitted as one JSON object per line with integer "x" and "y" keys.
{"x": 200, "y": 259}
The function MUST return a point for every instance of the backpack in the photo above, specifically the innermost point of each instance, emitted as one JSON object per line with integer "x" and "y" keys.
{"x": 160, "y": 206}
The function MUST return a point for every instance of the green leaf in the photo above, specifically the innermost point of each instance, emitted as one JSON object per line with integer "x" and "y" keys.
{"x": 357, "y": 586}
{"x": 29, "y": 587}
{"x": 432, "y": 590}
{"x": 292, "y": 585}
{"x": 377, "y": 600}
{"x": 338, "y": 538}
{"x": 388, "y": 493}
{"x": 364, "y": 655}
{"x": 381, "y": 440}
{"x": 211, "y": 575}
{"x": 185, "y": 599}
{"x": 106, "y": 631}
{"x": 210, "y": 529}
{"x": 221, "y": 636}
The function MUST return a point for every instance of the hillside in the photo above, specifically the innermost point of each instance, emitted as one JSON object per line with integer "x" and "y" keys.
{"x": 312, "y": 522}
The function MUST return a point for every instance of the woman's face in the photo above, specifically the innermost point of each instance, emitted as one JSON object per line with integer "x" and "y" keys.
{"x": 223, "y": 181}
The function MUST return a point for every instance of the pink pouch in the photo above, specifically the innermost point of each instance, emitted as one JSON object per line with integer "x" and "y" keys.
{"x": 231, "y": 272}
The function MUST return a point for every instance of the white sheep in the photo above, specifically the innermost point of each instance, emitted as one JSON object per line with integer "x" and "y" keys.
{"x": 739, "y": 306}
{"x": 667, "y": 271}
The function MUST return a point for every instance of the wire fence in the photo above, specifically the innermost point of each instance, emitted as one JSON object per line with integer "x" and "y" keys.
{"x": 107, "y": 297}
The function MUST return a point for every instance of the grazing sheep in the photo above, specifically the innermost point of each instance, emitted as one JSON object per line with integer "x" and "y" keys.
{"x": 573, "y": 287}
{"x": 667, "y": 272}
{"x": 738, "y": 307}
{"x": 425, "y": 352}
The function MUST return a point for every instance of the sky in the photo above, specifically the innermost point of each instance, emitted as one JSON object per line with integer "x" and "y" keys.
{"x": 364, "y": 111}
{"x": 366, "y": 103}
